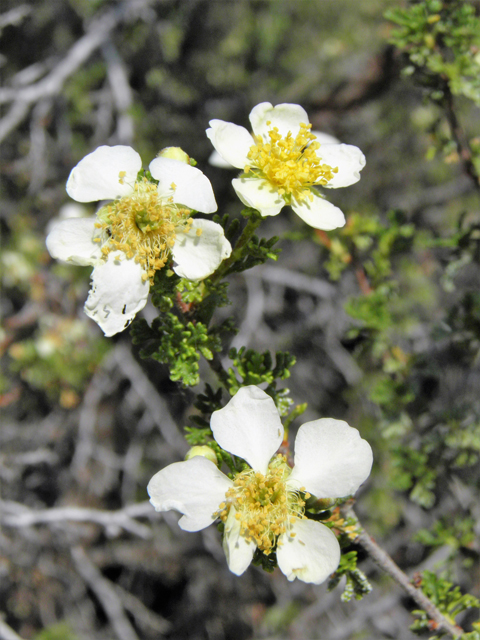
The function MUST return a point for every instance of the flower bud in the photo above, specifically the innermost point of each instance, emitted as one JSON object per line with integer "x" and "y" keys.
{"x": 174, "y": 153}
{"x": 204, "y": 451}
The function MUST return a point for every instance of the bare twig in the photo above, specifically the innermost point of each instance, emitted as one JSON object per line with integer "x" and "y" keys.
{"x": 98, "y": 386}
{"x": 121, "y": 91}
{"x": 14, "y": 16}
{"x": 385, "y": 562}
{"x": 142, "y": 614}
{"x": 13, "y": 514}
{"x": 106, "y": 594}
{"x": 155, "y": 404}
{"x": 295, "y": 280}
{"x": 253, "y": 314}
{"x": 51, "y": 85}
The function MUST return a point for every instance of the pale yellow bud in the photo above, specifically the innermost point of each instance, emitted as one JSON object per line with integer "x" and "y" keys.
{"x": 174, "y": 153}
{"x": 204, "y": 451}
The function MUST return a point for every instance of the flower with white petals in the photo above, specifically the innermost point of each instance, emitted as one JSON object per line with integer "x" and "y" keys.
{"x": 140, "y": 231}
{"x": 283, "y": 162}
{"x": 264, "y": 506}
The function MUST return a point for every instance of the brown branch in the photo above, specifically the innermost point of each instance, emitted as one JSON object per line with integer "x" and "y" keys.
{"x": 385, "y": 562}
{"x": 463, "y": 145}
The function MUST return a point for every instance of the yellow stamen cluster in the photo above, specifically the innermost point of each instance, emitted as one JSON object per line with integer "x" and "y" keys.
{"x": 290, "y": 164}
{"x": 264, "y": 506}
{"x": 144, "y": 226}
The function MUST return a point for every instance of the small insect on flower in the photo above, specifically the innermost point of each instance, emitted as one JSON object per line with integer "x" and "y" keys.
{"x": 283, "y": 162}
{"x": 143, "y": 227}
{"x": 264, "y": 506}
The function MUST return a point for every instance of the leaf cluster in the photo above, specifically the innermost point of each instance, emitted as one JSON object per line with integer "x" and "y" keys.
{"x": 441, "y": 39}
{"x": 357, "y": 585}
{"x": 446, "y": 597}
{"x": 175, "y": 344}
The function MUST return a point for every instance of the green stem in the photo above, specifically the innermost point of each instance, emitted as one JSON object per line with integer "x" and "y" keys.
{"x": 239, "y": 251}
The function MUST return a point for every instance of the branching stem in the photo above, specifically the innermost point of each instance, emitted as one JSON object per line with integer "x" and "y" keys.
{"x": 385, "y": 562}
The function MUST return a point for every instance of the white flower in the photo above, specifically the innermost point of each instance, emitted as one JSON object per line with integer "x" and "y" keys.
{"x": 264, "y": 506}
{"x": 283, "y": 162}
{"x": 137, "y": 233}
{"x": 216, "y": 160}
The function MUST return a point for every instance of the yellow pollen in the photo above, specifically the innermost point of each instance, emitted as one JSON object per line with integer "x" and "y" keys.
{"x": 143, "y": 226}
{"x": 265, "y": 506}
{"x": 121, "y": 177}
{"x": 290, "y": 164}
{"x": 199, "y": 231}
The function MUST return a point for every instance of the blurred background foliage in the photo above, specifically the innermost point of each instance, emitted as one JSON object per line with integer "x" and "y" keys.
{"x": 382, "y": 316}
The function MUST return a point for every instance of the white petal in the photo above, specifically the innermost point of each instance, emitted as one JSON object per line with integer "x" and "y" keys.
{"x": 349, "y": 160}
{"x": 118, "y": 293}
{"x": 216, "y": 160}
{"x": 331, "y": 459}
{"x": 199, "y": 254}
{"x": 194, "y": 487}
{"x": 319, "y": 213}
{"x": 259, "y": 194}
{"x": 192, "y": 187}
{"x": 325, "y": 138}
{"x": 238, "y": 551}
{"x": 231, "y": 141}
{"x": 286, "y": 117}
{"x": 312, "y": 555}
{"x": 105, "y": 174}
{"x": 249, "y": 427}
{"x": 71, "y": 240}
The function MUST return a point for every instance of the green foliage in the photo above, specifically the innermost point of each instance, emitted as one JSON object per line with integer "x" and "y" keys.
{"x": 176, "y": 344}
{"x": 447, "y": 598}
{"x": 59, "y": 358}
{"x": 357, "y": 585}
{"x": 256, "y": 368}
{"x": 442, "y": 40}
{"x": 258, "y": 251}
{"x": 367, "y": 241}
{"x": 456, "y": 533}
{"x": 412, "y": 470}
{"x": 60, "y": 631}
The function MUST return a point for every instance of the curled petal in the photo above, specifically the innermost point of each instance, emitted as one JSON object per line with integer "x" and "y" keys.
{"x": 118, "y": 293}
{"x": 183, "y": 183}
{"x": 231, "y": 142}
{"x": 331, "y": 459}
{"x": 71, "y": 240}
{"x": 195, "y": 488}
{"x": 258, "y": 194}
{"x": 319, "y": 213}
{"x": 200, "y": 251}
{"x": 349, "y": 160}
{"x": 238, "y": 551}
{"x": 311, "y": 555}
{"x": 249, "y": 427}
{"x": 286, "y": 117}
{"x": 105, "y": 174}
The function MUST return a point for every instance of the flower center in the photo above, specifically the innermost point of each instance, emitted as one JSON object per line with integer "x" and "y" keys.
{"x": 291, "y": 164}
{"x": 144, "y": 226}
{"x": 264, "y": 505}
